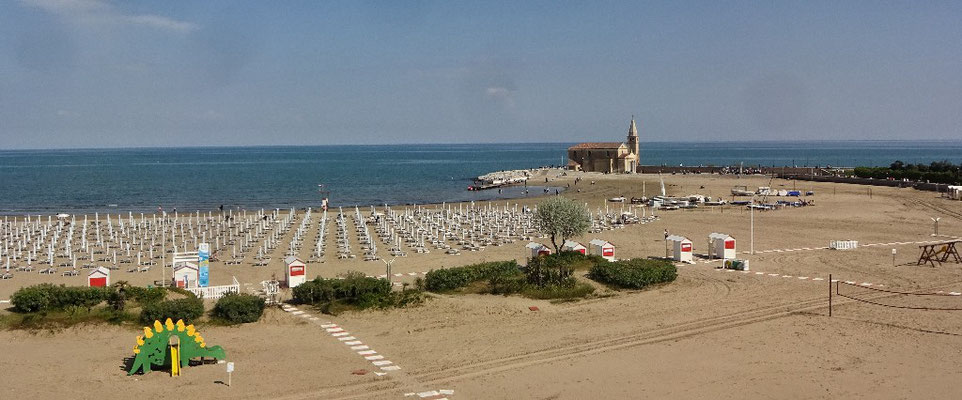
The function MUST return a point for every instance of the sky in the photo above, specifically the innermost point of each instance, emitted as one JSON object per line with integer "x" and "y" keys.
{"x": 100, "y": 73}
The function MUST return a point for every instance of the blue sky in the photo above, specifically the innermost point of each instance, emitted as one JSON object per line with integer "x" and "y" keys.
{"x": 98, "y": 73}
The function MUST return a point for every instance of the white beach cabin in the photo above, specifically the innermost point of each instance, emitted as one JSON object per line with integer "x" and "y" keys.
{"x": 99, "y": 277}
{"x": 602, "y": 248}
{"x": 682, "y": 248}
{"x": 535, "y": 249}
{"x": 186, "y": 275}
{"x": 721, "y": 246}
{"x": 296, "y": 271}
{"x": 572, "y": 245}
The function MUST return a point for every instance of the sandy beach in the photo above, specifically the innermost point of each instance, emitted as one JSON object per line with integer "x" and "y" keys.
{"x": 764, "y": 333}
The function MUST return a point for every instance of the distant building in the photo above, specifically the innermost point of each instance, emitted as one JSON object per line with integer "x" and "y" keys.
{"x": 611, "y": 157}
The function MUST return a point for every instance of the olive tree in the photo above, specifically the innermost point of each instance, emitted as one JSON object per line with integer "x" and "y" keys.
{"x": 561, "y": 218}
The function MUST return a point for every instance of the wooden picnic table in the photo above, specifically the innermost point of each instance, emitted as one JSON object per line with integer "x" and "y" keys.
{"x": 939, "y": 252}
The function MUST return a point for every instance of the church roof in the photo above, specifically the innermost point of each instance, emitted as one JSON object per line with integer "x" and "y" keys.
{"x": 596, "y": 145}
{"x": 632, "y": 130}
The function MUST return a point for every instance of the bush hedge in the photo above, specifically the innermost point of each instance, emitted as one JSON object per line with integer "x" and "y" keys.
{"x": 635, "y": 273}
{"x": 445, "y": 280}
{"x": 354, "y": 291}
{"x": 187, "y": 309}
{"x": 239, "y": 308}
{"x": 49, "y": 297}
{"x": 354, "y": 288}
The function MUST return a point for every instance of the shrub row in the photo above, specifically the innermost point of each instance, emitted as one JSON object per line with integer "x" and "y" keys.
{"x": 635, "y": 273}
{"x": 49, "y": 297}
{"x": 234, "y": 308}
{"x": 355, "y": 288}
{"x": 187, "y": 309}
{"x": 239, "y": 308}
{"x": 445, "y": 280}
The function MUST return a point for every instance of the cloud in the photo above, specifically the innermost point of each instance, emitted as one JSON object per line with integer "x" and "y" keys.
{"x": 501, "y": 94}
{"x": 101, "y": 12}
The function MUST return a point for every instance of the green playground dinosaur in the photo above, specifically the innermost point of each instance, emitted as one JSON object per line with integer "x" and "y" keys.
{"x": 152, "y": 348}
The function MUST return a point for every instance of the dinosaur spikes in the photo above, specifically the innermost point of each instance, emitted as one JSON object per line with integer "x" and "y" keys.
{"x": 169, "y": 324}
{"x": 148, "y": 333}
{"x": 140, "y": 340}
{"x": 202, "y": 345}
{"x": 158, "y": 327}
{"x": 199, "y": 339}
{"x": 136, "y": 350}
{"x": 190, "y": 330}
{"x": 180, "y": 325}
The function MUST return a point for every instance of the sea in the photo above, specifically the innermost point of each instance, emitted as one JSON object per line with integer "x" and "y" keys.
{"x": 206, "y": 178}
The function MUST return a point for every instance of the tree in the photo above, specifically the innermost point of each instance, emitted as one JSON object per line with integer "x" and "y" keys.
{"x": 561, "y": 217}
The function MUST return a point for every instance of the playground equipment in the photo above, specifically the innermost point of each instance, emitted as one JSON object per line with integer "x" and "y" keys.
{"x": 736, "y": 264}
{"x": 170, "y": 344}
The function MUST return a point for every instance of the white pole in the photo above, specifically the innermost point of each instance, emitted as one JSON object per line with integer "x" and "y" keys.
{"x": 753, "y": 225}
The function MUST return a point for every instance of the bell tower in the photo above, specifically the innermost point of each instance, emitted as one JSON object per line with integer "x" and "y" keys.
{"x": 633, "y": 137}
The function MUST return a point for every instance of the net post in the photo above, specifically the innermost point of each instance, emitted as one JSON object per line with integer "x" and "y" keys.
{"x": 829, "y": 295}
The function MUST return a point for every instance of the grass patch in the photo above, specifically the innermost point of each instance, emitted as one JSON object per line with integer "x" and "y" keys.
{"x": 59, "y": 320}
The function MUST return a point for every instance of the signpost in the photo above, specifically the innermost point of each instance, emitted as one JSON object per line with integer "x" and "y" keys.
{"x": 230, "y": 369}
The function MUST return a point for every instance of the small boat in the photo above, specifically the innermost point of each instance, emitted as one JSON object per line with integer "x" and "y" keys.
{"x": 619, "y": 199}
{"x": 741, "y": 191}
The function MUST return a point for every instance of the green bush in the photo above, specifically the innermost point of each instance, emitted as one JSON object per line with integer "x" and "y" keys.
{"x": 187, "y": 309}
{"x": 239, "y": 308}
{"x": 635, "y": 273}
{"x": 352, "y": 288}
{"x": 144, "y": 295}
{"x": 47, "y": 297}
{"x": 445, "y": 280}
{"x": 31, "y": 299}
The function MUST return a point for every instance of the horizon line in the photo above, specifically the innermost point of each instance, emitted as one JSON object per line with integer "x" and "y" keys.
{"x": 473, "y": 143}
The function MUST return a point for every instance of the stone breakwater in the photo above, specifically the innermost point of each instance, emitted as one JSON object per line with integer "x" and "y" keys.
{"x": 515, "y": 176}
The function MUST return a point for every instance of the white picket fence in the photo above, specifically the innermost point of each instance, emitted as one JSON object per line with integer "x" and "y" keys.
{"x": 843, "y": 244}
{"x": 216, "y": 292}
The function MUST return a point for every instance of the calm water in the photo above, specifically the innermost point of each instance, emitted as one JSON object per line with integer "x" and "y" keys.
{"x": 251, "y": 177}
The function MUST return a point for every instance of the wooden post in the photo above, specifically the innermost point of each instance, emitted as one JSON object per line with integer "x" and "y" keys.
{"x": 829, "y": 295}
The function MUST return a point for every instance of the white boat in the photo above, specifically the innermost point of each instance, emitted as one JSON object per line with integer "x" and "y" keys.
{"x": 741, "y": 191}
{"x": 619, "y": 199}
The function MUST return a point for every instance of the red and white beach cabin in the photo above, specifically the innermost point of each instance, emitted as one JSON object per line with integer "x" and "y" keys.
{"x": 186, "y": 275}
{"x": 722, "y": 246}
{"x": 99, "y": 277}
{"x": 682, "y": 248}
{"x": 296, "y": 271}
{"x": 535, "y": 249}
{"x": 602, "y": 248}
{"x": 572, "y": 245}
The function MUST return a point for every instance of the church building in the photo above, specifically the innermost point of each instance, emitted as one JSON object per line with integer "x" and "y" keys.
{"x": 608, "y": 157}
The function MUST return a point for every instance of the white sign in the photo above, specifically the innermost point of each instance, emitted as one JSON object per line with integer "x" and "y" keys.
{"x": 894, "y": 252}
{"x": 230, "y": 367}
